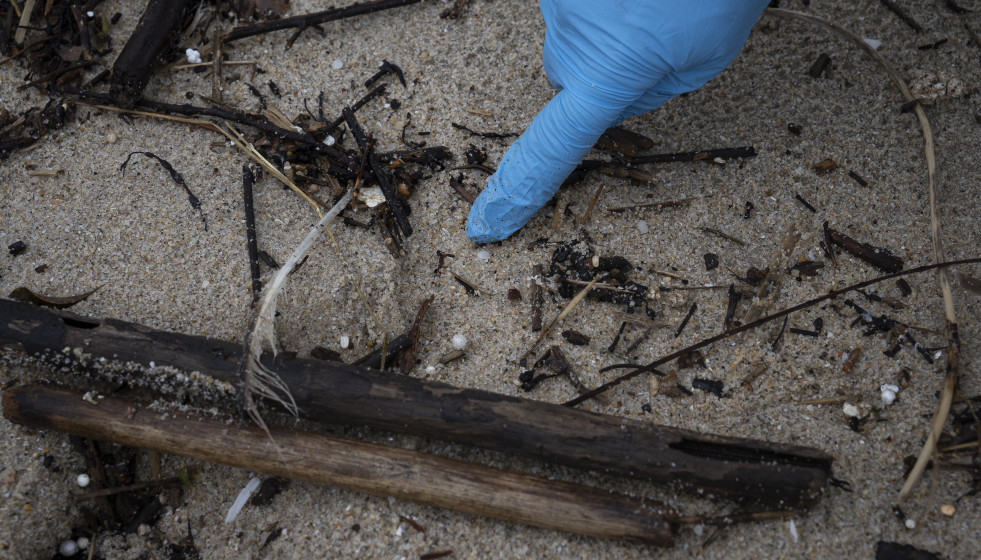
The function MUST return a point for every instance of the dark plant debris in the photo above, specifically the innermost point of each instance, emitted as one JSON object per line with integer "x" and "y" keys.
{"x": 876, "y": 256}
{"x": 16, "y": 248}
{"x": 709, "y": 386}
{"x": 489, "y": 135}
{"x": 575, "y": 337}
{"x": 30, "y": 296}
{"x": 175, "y": 176}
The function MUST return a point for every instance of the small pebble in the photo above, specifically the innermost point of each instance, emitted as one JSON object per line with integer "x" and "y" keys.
{"x": 910, "y": 524}
{"x": 851, "y": 410}
{"x": 642, "y": 226}
{"x": 338, "y": 64}
{"x": 68, "y": 548}
{"x": 111, "y": 138}
{"x": 948, "y": 510}
{"x": 83, "y": 480}
{"x": 345, "y": 342}
{"x": 459, "y": 341}
{"x": 874, "y": 43}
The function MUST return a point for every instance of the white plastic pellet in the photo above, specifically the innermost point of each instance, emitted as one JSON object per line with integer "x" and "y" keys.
{"x": 338, "y": 64}
{"x": 193, "y": 56}
{"x": 83, "y": 480}
{"x": 68, "y": 548}
{"x": 459, "y": 341}
{"x": 888, "y": 393}
{"x": 345, "y": 342}
{"x": 642, "y": 227}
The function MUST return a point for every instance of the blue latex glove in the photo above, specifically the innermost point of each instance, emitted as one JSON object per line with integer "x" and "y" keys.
{"x": 609, "y": 59}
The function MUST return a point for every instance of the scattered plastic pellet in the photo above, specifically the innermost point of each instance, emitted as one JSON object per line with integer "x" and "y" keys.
{"x": 193, "y": 56}
{"x": 642, "y": 226}
{"x": 345, "y": 342}
{"x": 83, "y": 480}
{"x": 459, "y": 341}
{"x": 68, "y": 548}
{"x": 889, "y": 392}
{"x": 337, "y": 64}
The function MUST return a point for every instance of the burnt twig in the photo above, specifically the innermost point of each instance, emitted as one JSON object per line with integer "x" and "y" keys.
{"x": 248, "y": 179}
{"x": 159, "y": 27}
{"x": 877, "y": 257}
{"x": 301, "y": 22}
{"x": 907, "y": 19}
{"x": 394, "y": 204}
{"x": 489, "y": 135}
{"x": 704, "y": 155}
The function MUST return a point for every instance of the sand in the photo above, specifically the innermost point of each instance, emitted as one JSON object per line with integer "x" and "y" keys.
{"x": 136, "y": 237}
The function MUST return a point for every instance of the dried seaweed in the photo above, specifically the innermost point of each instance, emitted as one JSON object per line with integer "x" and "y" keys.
{"x": 175, "y": 176}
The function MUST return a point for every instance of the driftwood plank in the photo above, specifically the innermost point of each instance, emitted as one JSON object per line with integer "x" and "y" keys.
{"x": 772, "y": 474}
{"x": 353, "y": 465}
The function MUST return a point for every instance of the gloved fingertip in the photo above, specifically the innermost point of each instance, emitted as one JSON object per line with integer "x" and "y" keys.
{"x": 480, "y": 232}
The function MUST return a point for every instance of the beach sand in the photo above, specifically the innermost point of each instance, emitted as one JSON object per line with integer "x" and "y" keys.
{"x": 136, "y": 238}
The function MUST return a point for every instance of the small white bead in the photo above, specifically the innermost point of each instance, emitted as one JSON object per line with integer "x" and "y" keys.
{"x": 83, "y": 543}
{"x": 83, "y": 480}
{"x": 483, "y": 255}
{"x": 345, "y": 342}
{"x": 888, "y": 393}
{"x": 459, "y": 341}
{"x": 642, "y": 227}
{"x": 338, "y": 64}
{"x": 68, "y": 548}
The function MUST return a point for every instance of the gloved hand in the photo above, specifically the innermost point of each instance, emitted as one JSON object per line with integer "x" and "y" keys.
{"x": 609, "y": 59}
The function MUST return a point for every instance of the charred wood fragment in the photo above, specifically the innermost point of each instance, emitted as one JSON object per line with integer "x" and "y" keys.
{"x": 767, "y": 473}
{"x": 157, "y": 31}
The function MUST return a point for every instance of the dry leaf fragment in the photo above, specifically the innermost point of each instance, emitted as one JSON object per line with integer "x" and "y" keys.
{"x": 29, "y": 296}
